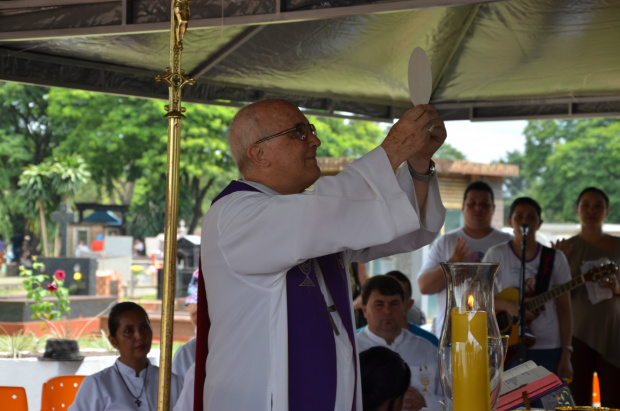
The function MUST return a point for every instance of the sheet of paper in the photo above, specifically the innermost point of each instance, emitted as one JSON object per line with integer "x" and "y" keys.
{"x": 521, "y": 368}
{"x": 523, "y": 378}
{"x": 596, "y": 293}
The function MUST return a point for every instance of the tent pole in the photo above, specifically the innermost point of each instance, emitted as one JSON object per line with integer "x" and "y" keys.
{"x": 175, "y": 79}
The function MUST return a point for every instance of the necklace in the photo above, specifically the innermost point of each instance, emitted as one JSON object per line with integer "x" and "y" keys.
{"x": 138, "y": 402}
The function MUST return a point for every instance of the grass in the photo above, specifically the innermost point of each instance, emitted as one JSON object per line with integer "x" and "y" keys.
{"x": 148, "y": 297}
{"x": 18, "y": 343}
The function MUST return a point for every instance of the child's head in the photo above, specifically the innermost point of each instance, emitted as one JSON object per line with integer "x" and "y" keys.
{"x": 525, "y": 200}
{"x": 525, "y": 210}
{"x": 385, "y": 379}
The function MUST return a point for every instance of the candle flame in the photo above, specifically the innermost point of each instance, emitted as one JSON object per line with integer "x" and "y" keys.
{"x": 470, "y": 301}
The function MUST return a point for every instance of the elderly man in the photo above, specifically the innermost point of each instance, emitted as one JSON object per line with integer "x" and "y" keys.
{"x": 383, "y": 303}
{"x": 466, "y": 244}
{"x": 275, "y": 257}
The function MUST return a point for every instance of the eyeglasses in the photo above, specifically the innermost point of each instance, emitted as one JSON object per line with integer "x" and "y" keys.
{"x": 301, "y": 129}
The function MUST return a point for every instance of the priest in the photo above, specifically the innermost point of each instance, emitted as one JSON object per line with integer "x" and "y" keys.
{"x": 275, "y": 256}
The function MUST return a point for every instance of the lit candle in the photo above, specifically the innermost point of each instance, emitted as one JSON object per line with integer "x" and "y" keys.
{"x": 470, "y": 360}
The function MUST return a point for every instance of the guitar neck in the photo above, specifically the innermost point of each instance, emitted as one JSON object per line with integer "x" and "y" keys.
{"x": 541, "y": 299}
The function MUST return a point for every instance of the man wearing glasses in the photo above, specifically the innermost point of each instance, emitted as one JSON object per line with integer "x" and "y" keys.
{"x": 275, "y": 257}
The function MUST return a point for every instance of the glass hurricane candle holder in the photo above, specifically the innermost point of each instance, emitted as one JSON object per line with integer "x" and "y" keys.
{"x": 470, "y": 345}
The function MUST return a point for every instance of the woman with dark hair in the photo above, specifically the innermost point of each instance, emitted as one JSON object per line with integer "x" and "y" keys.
{"x": 132, "y": 382}
{"x": 596, "y": 306}
{"x": 385, "y": 379}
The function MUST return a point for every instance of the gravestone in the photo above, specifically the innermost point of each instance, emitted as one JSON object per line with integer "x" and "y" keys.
{"x": 183, "y": 277}
{"x": 70, "y": 265}
{"x": 188, "y": 252}
{"x": 118, "y": 246}
{"x": 64, "y": 217}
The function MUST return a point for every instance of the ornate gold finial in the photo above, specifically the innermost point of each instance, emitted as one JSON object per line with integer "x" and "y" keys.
{"x": 175, "y": 76}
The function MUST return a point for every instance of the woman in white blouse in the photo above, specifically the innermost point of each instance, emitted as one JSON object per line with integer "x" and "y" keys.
{"x": 132, "y": 382}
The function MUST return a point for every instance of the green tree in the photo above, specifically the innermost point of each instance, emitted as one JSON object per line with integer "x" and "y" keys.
{"x": 516, "y": 186}
{"x": 112, "y": 133}
{"x": 123, "y": 142}
{"x": 563, "y": 157}
{"x": 205, "y": 168}
{"x": 44, "y": 185}
{"x": 27, "y": 136}
{"x": 448, "y": 152}
{"x": 36, "y": 191}
{"x": 346, "y": 138}
{"x": 354, "y": 138}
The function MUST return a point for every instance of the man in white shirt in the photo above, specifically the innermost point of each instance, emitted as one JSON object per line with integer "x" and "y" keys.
{"x": 409, "y": 304}
{"x": 275, "y": 256}
{"x": 383, "y": 300}
{"x": 466, "y": 244}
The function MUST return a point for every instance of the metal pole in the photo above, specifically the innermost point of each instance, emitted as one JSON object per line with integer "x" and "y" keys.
{"x": 175, "y": 79}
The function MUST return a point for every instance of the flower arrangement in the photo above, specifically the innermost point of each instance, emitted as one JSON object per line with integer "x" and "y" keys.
{"x": 37, "y": 288}
{"x": 137, "y": 269}
{"x": 40, "y": 287}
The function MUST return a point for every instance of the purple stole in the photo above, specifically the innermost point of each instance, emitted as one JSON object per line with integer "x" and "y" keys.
{"x": 311, "y": 337}
{"x": 311, "y": 344}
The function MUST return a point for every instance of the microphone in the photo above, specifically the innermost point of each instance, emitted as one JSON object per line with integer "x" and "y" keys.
{"x": 525, "y": 229}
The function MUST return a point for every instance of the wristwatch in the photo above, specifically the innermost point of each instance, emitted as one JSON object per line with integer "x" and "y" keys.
{"x": 423, "y": 177}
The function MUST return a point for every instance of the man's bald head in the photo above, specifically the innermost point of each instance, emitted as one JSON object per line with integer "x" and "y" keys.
{"x": 253, "y": 122}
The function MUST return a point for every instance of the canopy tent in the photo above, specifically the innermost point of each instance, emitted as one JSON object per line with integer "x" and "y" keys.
{"x": 490, "y": 60}
{"x": 105, "y": 217}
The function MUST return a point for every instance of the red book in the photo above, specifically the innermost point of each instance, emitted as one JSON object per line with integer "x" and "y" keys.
{"x": 530, "y": 378}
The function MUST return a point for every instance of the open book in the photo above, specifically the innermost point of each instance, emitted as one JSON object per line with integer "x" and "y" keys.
{"x": 534, "y": 379}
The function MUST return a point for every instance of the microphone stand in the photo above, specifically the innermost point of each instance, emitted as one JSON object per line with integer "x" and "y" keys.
{"x": 521, "y": 348}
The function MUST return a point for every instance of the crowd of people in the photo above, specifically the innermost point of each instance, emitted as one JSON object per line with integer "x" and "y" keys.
{"x": 576, "y": 334}
{"x": 282, "y": 270}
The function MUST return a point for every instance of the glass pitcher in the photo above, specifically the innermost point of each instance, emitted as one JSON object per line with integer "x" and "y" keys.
{"x": 470, "y": 346}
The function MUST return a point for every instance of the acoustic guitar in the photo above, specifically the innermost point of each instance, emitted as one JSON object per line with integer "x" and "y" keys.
{"x": 509, "y": 326}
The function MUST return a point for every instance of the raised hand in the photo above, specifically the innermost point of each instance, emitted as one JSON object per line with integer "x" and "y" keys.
{"x": 410, "y": 138}
{"x": 563, "y": 245}
{"x": 461, "y": 251}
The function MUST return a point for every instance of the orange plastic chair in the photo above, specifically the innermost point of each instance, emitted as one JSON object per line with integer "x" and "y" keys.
{"x": 59, "y": 392}
{"x": 13, "y": 399}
